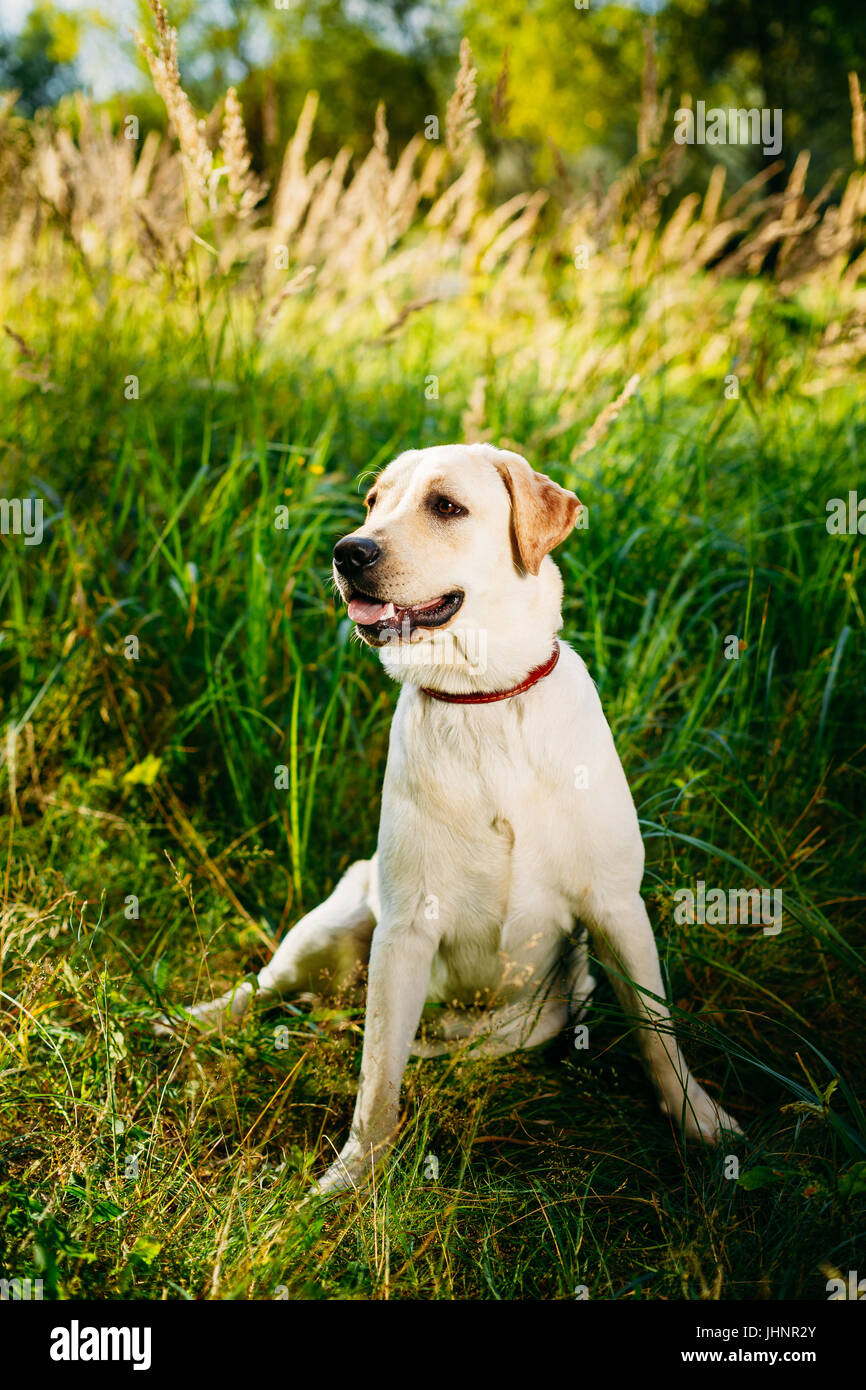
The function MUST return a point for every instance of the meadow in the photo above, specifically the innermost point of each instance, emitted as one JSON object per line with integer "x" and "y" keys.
{"x": 198, "y": 375}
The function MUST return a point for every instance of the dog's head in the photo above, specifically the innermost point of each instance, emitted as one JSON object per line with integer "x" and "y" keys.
{"x": 450, "y": 573}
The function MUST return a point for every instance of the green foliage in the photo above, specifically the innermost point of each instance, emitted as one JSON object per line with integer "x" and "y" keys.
{"x": 150, "y": 853}
{"x": 155, "y": 778}
{"x": 574, "y": 77}
{"x": 352, "y": 72}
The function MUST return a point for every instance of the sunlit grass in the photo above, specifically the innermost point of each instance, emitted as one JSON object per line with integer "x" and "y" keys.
{"x": 171, "y": 385}
{"x": 154, "y": 779}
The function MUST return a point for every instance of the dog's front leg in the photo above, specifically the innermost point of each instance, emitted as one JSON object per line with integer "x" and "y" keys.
{"x": 398, "y": 981}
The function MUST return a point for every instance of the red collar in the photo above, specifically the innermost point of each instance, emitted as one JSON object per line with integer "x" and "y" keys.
{"x": 487, "y": 697}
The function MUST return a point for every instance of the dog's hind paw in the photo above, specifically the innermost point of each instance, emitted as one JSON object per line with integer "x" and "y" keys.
{"x": 351, "y": 1171}
{"x": 215, "y": 1016}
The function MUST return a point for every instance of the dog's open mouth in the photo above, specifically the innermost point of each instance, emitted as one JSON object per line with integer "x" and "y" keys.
{"x": 376, "y": 616}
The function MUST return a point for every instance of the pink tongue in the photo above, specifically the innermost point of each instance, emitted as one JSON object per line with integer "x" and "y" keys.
{"x": 366, "y": 611}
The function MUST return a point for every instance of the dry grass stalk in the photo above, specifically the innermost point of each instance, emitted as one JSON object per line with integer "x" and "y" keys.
{"x": 164, "y": 70}
{"x": 793, "y": 202}
{"x": 519, "y": 229}
{"x": 501, "y": 102}
{"x": 648, "y": 122}
{"x": 473, "y": 417}
{"x": 713, "y": 198}
{"x": 323, "y": 205}
{"x": 460, "y": 118}
{"x": 382, "y": 176}
{"x": 605, "y": 419}
{"x": 296, "y": 285}
{"x": 858, "y": 118}
{"x": 293, "y": 190}
{"x": 432, "y": 172}
{"x": 244, "y": 187}
{"x": 459, "y": 200}
{"x": 671, "y": 245}
{"x": 404, "y": 190}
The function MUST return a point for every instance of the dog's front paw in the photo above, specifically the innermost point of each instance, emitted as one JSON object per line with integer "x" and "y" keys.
{"x": 351, "y": 1170}
{"x": 701, "y": 1117}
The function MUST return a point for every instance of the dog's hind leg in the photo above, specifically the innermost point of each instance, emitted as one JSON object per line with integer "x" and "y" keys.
{"x": 624, "y": 942}
{"x": 320, "y": 953}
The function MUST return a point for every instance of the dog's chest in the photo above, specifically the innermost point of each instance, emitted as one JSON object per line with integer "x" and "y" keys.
{"x": 463, "y": 833}
{"x": 448, "y": 787}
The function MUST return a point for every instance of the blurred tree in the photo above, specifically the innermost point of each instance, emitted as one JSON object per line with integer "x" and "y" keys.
{"x": 352, "y": 65}
{"x": 570, "y": 86}
{"x": 39, "y": 62}
{"x": 574, "y": 75}
{"x": 793, "y": 54}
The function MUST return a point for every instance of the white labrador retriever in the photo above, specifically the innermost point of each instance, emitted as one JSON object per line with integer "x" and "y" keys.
{"x": 506, "y": 816}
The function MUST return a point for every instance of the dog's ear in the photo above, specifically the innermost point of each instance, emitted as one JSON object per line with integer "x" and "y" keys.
{"x": 543, "y": 512}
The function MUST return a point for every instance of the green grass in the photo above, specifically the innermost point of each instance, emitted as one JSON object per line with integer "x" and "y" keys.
{"x": 154, "y": 778}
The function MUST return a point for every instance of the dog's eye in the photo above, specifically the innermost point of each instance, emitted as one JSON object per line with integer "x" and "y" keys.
{"x": 370, "y": 501}
{"x": 443, "y": 506}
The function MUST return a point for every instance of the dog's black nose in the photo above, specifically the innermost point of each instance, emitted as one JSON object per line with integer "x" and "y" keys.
{"x": 354, "y": 554}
